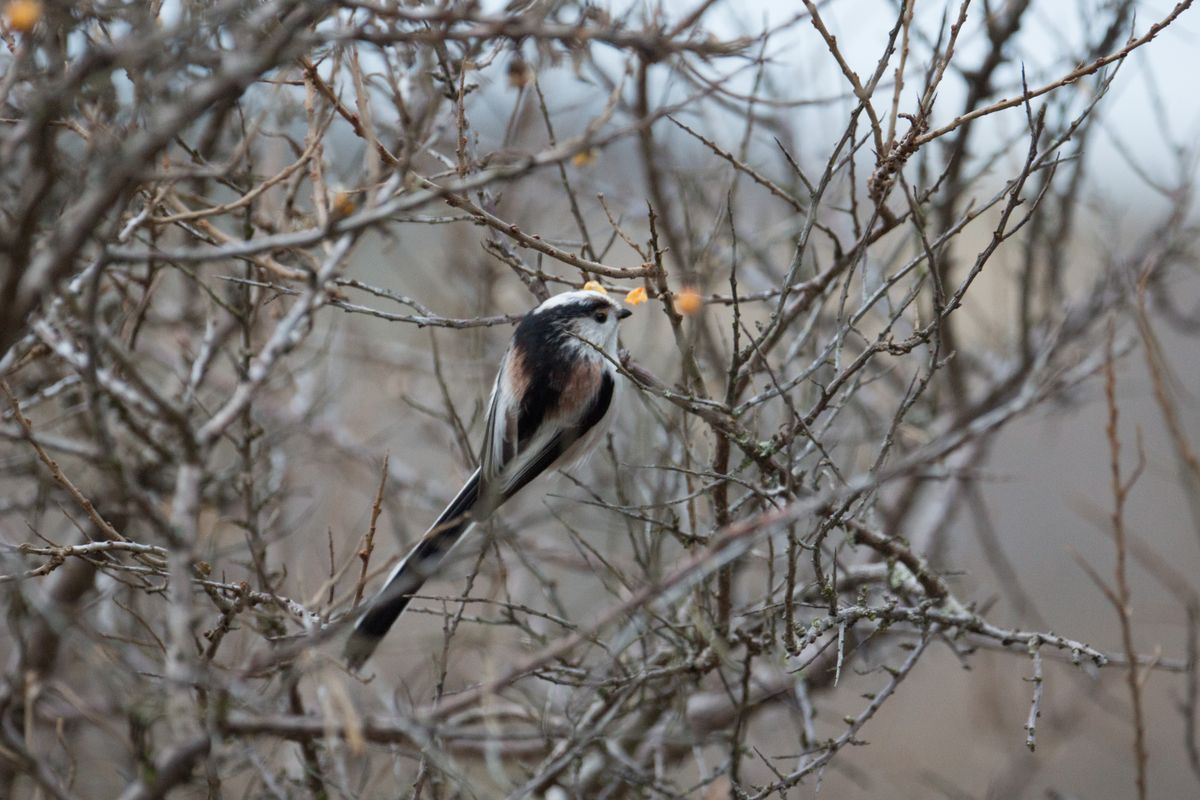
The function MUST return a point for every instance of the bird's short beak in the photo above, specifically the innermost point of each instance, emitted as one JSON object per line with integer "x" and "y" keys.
{"x": 624, "y": 313}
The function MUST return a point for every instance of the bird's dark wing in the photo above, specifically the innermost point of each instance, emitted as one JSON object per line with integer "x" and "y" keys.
{"x": 541, "y": 452}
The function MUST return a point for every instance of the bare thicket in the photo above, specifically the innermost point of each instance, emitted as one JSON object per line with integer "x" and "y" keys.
{"x": 258, "y": 261}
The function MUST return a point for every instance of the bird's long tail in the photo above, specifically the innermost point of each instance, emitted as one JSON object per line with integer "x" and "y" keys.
{"x": 412, "y": 571}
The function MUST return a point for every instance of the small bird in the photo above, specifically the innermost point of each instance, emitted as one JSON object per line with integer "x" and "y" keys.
{"x": 550, "y": 405}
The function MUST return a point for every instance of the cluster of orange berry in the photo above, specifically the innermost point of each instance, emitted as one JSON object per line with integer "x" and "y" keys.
{"x": 688, "y": 301}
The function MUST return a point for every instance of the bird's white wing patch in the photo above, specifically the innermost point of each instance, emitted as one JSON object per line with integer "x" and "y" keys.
{"x": 501, "y": 418}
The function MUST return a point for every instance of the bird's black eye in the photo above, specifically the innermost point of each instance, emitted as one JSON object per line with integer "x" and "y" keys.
{"x": 601, "y": 317}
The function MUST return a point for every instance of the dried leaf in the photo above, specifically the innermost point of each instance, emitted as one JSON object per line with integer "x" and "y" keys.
{"x": 584, "y": 158}
{"x": 637, "y": 296}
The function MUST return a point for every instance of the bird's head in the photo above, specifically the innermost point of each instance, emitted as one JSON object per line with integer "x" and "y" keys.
{"x": 584, "y": 314}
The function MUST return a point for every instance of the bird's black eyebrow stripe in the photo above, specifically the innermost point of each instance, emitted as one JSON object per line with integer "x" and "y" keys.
{"x": 576, "y": 308}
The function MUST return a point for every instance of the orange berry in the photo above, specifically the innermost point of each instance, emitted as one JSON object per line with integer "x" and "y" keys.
{"x": 22, "y": 15}
{"x": 688, "y": 302}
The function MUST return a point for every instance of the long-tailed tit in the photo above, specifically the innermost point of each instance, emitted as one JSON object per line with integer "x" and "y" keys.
{"x": 550, "y": 404}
